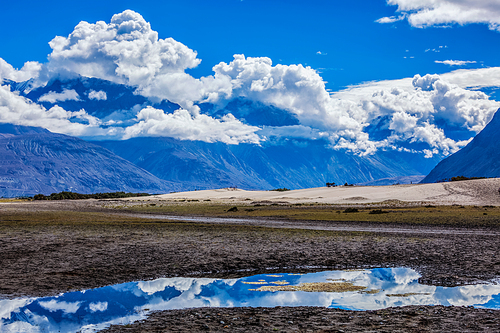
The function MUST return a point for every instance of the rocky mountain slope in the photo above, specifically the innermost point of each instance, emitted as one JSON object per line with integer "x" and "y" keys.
{"x": 216, "y": 165}
{"x": 34, "y": 160}
{"x": 480, "y": 158}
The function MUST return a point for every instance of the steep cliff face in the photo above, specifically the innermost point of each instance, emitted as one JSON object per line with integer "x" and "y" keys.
{"x": 35, "y": 161}
{"x": 480, "y": 158}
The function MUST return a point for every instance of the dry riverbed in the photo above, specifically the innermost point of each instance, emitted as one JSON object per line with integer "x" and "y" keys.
{"x": 50, "y": 247}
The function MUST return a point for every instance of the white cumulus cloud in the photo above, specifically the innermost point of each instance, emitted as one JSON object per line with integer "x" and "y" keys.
{"x": 426, "y": 13}
{"x": 414, "y": 106}
{"x": 18, "y": 110}
{"x": 98, "y": 95}
{"x": 66, "y": 307}
{"x": 182, "y": 125}
{"x": 98, "y": 307}
{"x": 417, "y": 109}
{"x": 54, "y": 97}
{"x": 125, "y": 51}
{"x": 295, "y": 88}
{"x": 31, "y": 69}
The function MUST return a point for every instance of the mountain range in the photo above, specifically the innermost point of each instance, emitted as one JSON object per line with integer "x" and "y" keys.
{"x": 35, "y": 160}
{"x": 290, "y": 165}
{"x": 38, "y": 161}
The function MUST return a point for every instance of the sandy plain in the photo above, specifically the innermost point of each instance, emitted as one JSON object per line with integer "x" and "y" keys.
{"x": 472, "y": 192}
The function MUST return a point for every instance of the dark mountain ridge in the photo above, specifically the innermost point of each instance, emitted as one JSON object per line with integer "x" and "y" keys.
{"x": 480, "y": 158}
{"x": 36, "y": 161}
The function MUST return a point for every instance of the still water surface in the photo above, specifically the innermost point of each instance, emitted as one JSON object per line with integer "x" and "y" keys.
{"x": 91, "y": 310}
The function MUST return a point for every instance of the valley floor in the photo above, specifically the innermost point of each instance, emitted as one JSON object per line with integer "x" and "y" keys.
{"x": 52, "y": 247}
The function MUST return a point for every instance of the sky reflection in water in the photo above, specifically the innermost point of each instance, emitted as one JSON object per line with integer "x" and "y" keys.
{"x": 95, "y": 309}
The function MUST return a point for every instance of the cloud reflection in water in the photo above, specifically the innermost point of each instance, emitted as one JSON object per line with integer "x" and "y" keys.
{"x": 124, "y": 303}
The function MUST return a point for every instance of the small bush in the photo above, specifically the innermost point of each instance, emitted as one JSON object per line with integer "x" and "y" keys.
{"x": 233, "y": 209}
{"x": 40, "y": 197}
{"x": 351, "y": 210}
{"x": 283, "y": 189}
{"x": 378, "y": 211}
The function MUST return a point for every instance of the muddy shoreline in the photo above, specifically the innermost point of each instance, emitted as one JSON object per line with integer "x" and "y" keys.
{"x": 57, "y": 247}
{"x": 313, "y": 319}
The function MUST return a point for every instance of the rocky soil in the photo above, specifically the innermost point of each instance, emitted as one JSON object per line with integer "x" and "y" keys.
{"x": 46, "y": 251}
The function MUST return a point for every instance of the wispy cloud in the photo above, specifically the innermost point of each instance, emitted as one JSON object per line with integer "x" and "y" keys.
{"x": 437, "y": 50}
{"x": 427, "y": 13}
{"x": 390, "y": 19}
{"x": 454, "y": 62}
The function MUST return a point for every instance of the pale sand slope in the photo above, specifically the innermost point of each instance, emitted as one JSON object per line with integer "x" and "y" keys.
{"x": 470, "y": 192}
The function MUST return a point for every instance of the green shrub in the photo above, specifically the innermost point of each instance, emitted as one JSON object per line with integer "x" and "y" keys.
{"x": 78, "y": 196}
{"x": 40, "y": 197}
{"x": 378, "y": 211}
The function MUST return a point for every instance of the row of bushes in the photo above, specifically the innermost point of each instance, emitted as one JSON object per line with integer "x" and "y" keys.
{"x": 458, "y": 178}
{"x": 282, "y": 189}
{"x": 78, "y": 196}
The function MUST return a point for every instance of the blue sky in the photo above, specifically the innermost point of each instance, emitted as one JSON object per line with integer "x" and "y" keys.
{"x": 417, "y": 76}
{"x": 355, "y": 48}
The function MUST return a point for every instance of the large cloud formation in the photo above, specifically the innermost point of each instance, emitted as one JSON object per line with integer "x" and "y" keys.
{"x": 420, "y": 114}
{"x": 180, "y": 125}
{"x": 30, "y": 70}
{"x": 413, "y": 110}
{"x": 18, "y": 110}
{"x": 127, "y": 51}
{"x": 425, "y": 13}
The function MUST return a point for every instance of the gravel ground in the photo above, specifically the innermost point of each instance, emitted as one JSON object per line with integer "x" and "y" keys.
{"x": 45, "y": 252}
{"x": 311, "y": 319}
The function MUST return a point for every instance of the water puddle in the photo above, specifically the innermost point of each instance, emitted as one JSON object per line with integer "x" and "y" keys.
{"x": 95, "y": 309}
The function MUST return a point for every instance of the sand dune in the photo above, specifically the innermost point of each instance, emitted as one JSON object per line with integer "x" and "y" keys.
{"x": 470, "y": 192}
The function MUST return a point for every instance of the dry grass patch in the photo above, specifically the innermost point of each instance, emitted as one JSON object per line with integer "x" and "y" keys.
{"x": 406, "y": 294}
{"x": 328, "y": 287}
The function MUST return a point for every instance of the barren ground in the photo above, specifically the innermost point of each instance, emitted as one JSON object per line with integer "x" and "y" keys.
{"x": 49, "y": 247}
